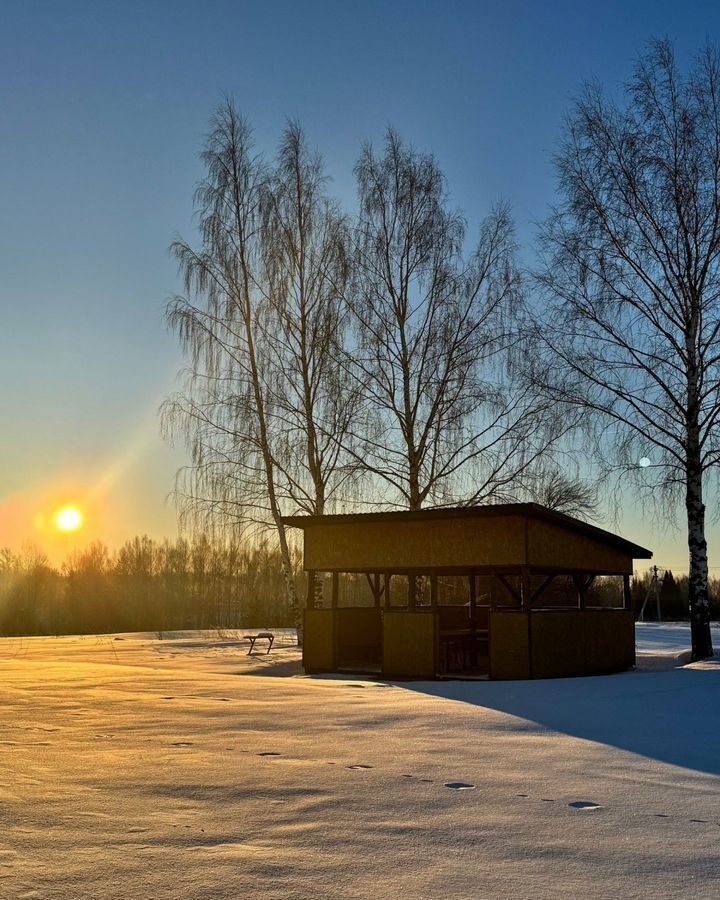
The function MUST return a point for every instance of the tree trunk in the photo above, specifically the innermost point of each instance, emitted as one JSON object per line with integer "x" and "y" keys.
{"x": 416, "y": 583}
{"x": 698, "y": 580}
{"x": 269, "y": 464}
{"x": 289, "y": 577}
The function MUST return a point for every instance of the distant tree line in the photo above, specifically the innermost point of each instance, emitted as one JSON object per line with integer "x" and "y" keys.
{"x": 150, "y": 585}
{"x": 147, "y": 585}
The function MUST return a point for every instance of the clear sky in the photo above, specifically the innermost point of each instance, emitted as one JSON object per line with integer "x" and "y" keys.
{"x": 103, "y": 108}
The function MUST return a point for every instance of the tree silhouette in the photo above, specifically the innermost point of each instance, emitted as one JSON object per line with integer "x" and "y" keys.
{"x": 630, "y": 334}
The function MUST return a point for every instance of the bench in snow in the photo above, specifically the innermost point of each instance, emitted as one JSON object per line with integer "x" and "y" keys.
{"x": 266, "y": 635}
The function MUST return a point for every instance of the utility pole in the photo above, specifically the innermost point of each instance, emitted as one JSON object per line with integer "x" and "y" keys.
{"x": 652, "y": 591}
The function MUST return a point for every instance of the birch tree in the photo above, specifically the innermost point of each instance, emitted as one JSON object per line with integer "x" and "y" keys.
{"x": 631, "y": 273}
{"x": 225, "y": 412}
{"x": 305, "y": 275}
{"x": 266, "y": 406}
{"x": 434, "y": 330}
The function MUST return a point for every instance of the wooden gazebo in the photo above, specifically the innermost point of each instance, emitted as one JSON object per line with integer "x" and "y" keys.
{"x": 506, "y": 591}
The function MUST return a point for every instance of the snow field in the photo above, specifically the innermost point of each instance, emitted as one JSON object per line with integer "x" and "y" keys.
{"x": 181, "y": 768}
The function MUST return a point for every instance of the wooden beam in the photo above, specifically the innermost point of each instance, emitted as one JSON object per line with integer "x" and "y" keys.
{"x": 373, "y": 580}
{"x": 543, "y": 587}
{"x": 376, "y": 586}
{"x": 335, "y": 590}
{"x": 310, "y": 599}
{"x": 461, "y": 571}
{"x": 510, "y": 589}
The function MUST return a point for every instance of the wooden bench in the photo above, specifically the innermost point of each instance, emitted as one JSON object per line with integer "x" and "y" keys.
{"x": 265, "y": 635}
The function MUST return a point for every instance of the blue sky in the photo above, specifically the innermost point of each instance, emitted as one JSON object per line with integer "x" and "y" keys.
{"x": 103, "y": 108}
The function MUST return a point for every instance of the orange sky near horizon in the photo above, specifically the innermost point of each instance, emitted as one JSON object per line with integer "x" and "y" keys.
{"x": 118, "y": 499}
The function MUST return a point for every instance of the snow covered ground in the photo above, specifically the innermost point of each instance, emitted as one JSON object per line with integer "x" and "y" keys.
{"x": 140, "y": 768}
{"x": 667, "y": 637}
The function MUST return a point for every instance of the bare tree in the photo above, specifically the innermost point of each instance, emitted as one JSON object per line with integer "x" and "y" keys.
{"x": 267, "y": 407}
{"x": 226, "y": 411}
{"x": 566, "y": 494}
{"x": 306, "y": 271}
{"x": 433, "y": 336}
{"x": 631, "y": 333}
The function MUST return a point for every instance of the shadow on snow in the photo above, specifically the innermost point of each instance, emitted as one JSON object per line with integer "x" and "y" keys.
{"x": 672, "y": 716}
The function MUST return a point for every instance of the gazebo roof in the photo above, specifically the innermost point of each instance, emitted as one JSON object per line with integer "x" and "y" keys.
{"x": 532, "y": 511}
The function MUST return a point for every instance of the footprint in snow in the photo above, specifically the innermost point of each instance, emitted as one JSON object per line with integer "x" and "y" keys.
{"x": 584, "y": 804}
{"x": 460, "y": 785}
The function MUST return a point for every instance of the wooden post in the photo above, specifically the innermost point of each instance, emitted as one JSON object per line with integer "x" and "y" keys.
{"x": 627, "y": 593}
{"x": 376, "y": 591}
{"x": 335, "y": 590}
{"x": 388, "y": 576}
{"x": 412, "y": 590}
{"x": 310, "y": 599}
{"x": 525, "y": 588}
{"x": 433, "y": 591}
{"x": 473, "y": 620}
{"x": 580, "y": 587}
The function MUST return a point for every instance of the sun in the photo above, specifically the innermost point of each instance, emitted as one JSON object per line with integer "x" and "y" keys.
{"x": 69, "y": 518}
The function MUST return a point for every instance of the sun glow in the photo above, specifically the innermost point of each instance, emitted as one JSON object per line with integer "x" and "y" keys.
{"x": 69, "y": 518}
